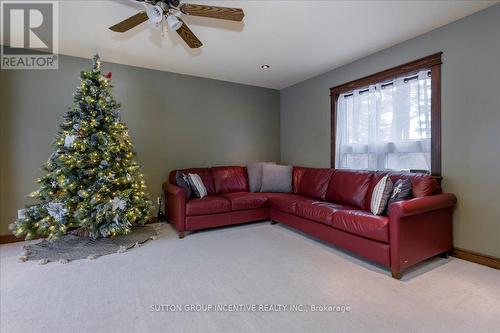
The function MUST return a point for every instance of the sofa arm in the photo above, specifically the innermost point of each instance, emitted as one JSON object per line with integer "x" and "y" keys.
{"x": 421, "y": 205}
{"x": 175, "y": 199}
{"x": 173, "y": 189}
{"x": 419, "y": 229}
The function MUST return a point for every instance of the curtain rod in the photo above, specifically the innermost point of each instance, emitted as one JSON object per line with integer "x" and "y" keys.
{"x": 405, "y": 80}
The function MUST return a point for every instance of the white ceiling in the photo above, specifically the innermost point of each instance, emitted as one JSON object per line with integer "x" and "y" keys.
{"x": 299, "y": 39}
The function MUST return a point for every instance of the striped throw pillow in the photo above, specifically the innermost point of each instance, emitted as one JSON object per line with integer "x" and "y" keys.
{"x": 197, "y": 186}
{"x": 380, "y": 196}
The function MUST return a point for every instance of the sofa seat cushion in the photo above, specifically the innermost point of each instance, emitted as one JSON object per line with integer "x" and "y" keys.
{"x": 208, "y": 205}
{"x": 246, "y": 200}
{"x": 285, "y": 202}
{"x": 362, "y": 223}
{"x": 319, "y": 211}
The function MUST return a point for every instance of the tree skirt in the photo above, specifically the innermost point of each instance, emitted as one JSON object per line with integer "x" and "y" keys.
{"x": 71, "y": 247}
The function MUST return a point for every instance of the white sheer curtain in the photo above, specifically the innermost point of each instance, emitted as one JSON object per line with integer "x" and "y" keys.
{"x": 386, "y": 126}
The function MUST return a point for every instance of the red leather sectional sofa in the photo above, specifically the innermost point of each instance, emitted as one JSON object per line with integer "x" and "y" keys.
{"x": 330, "y": 204}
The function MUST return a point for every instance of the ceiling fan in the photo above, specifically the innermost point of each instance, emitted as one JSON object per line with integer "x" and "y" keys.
{"x": 159, "y": 12}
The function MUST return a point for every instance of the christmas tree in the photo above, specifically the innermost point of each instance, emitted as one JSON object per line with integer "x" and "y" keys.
{"x": 91, "y": 181}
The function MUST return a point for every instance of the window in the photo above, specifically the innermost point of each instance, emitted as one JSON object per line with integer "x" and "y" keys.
{"x": 386, "y": 126}
{"x": 389, "y": 120}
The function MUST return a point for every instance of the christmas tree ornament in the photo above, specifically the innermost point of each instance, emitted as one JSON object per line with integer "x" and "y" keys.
{"x": 118, "y": 204}
{"x": 56, "y": 210}
{"x": 68, "y": 140}
{"x": 21, "y": 214}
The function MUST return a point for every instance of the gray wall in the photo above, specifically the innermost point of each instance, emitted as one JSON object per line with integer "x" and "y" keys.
{"x": 175, "y": 121}
{"x": 470, "y": 118}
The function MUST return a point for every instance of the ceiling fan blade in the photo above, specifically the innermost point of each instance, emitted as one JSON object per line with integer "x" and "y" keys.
{"x": 131, "y": 22}
{"x": 224, "y": 13}
{"x": 188, "y": 36}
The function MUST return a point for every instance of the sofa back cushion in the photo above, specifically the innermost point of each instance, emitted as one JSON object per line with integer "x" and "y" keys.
{"x": 349, "y": 187}
{"x": 229, "y": 179}
{"x": 314, "y": 182}
{"x": 422, "y": 184}
{"x": 298, "y": 173}
{"x": 204, "y": 173}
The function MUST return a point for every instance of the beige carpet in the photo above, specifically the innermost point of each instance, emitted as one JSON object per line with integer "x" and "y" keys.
{"x": 249, "y": 264}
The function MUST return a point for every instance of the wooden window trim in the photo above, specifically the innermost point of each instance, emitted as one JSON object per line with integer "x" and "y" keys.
{"x": 433, "y": 63}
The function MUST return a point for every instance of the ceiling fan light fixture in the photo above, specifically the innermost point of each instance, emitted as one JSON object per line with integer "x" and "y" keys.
{"x": 173, "y": 22}
{"x": 265, "y": 66}
{"x": 155, "y": 14}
